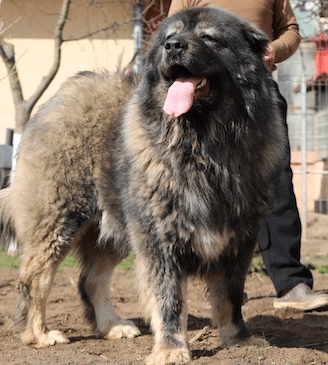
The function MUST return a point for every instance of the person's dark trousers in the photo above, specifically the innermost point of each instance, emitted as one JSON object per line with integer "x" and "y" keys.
{"x": 280, "y": 236}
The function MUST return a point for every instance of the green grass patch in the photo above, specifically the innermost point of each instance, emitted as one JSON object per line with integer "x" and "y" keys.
{"x": 128, "y": 263}
{"x": 13, "y": 262}
{"x": 320, "y": 264}
{"x": 322, "y": 269}
{"x": 257, "y": 265}
{"x": 70, "y": 260}
{"x": 7, "y": 261}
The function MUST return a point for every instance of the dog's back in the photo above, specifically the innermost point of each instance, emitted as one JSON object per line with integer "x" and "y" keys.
{"x": 61, "y": 147}
{"x": 52, "y": 203}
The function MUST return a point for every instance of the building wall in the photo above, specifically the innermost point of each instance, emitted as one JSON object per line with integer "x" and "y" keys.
{"x": 30, "y": 28}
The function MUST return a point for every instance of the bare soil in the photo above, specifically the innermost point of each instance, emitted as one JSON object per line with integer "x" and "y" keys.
{"x": 295, "y": 338}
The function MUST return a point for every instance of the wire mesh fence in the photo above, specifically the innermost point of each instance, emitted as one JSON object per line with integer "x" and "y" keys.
{"x": 307, "y": 119}
{"x": 316, "y": 114}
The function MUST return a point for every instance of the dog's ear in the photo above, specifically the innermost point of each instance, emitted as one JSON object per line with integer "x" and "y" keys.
{"x": 256, "y": 38}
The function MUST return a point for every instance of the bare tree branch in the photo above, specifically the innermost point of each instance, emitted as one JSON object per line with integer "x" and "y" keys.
{"x": 7, "y": 53}
{"x": 154, "y": 12}
{"x": 55, "y": 66}
{"x": 113, "y": 27}
{"x": 24, "y": 107}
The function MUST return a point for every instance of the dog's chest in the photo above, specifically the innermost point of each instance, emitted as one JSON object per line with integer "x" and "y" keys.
{"x": 173, "y": 188}
{"x": 183, "y": 208}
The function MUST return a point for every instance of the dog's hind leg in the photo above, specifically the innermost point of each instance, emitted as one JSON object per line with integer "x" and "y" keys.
{"x": 35, "y": 279}
{"x": 98, "y": 264}
{"x": 43, "y": 252}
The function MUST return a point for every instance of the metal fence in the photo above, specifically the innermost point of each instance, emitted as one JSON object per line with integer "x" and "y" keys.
{"x": 307, "y": 120}
{"x": 316, "y": 113}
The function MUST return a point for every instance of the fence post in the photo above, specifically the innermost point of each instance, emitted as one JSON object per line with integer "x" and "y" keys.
{"x": 304, "y": 157}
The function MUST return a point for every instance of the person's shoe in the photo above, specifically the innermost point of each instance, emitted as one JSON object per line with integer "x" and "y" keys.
{"x": 301, "y": 297}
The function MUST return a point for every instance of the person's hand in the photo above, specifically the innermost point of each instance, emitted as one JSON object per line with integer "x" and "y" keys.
{"x": 269, "y": 57}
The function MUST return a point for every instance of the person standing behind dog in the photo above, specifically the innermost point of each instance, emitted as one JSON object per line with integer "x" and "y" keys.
{"x": 280, "y": 236}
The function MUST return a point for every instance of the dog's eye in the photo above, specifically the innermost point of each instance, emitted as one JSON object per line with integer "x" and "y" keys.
{"x": 207, "y": 38}
{"x": 210, "y": 39}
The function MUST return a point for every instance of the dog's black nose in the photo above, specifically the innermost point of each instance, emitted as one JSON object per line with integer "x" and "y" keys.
{"x": 175, "y": 45}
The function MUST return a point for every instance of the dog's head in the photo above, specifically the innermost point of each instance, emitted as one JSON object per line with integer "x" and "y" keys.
{"x": 202, "y": 55}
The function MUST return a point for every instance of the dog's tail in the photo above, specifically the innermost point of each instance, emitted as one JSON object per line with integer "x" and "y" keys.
{"x": 7, "y": 230}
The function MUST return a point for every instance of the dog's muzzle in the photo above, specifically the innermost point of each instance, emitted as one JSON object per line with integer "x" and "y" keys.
{"x": 175, "y": 46}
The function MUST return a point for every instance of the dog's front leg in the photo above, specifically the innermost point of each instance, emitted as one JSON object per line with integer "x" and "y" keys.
{"x": 163, "y": 293}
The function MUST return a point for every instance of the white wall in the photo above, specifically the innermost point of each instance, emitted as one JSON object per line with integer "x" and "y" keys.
{"x": 33, "y": 23}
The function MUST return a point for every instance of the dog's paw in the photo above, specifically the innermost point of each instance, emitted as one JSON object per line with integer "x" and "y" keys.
{"x": 124, "y": 329}
{"x": 44, "y": 339}
{"x": 178, "y": 356}
{"x": 57, "y": 337}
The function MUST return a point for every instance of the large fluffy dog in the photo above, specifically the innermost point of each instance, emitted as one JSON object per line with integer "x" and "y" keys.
{"x": 101, "y": 171}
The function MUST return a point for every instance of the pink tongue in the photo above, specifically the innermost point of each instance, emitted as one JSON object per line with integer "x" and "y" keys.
{"x": 180, "y": 96}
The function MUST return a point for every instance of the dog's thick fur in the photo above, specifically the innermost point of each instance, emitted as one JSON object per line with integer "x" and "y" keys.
{"x": 101, "y": 171}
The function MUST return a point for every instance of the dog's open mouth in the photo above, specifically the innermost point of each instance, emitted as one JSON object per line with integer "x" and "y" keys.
{"x": 184, "y": 91}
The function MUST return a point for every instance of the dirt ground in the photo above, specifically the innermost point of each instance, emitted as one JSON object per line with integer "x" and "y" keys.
{"x": 295, "y": 338}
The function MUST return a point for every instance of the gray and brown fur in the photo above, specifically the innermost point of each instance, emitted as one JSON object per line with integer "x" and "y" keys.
{"x": 102, "y": 172}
